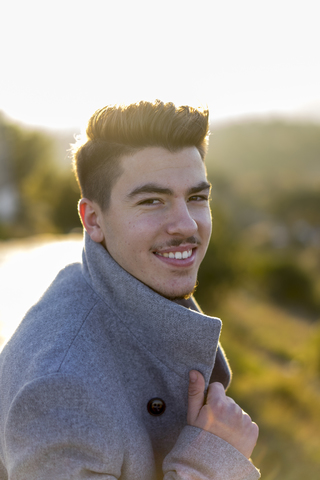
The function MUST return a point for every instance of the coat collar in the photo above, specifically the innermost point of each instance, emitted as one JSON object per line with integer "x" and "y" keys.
{"x": 181, "y": 338}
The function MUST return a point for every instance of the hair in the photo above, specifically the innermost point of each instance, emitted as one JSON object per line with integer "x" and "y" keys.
{"x": 117, "y": 131}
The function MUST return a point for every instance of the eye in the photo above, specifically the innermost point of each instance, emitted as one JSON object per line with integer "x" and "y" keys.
{"x": 199, "y": 198}
{"x": 150, "y": 201}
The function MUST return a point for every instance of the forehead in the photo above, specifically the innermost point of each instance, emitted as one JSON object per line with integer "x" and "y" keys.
{"x": 181, "y": 169}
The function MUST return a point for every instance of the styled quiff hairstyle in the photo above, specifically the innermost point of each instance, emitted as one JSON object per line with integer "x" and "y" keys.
{"x": 116, "y": 131}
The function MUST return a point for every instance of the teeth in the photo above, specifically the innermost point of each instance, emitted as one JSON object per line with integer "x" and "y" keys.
{"x": 177, "y": 255}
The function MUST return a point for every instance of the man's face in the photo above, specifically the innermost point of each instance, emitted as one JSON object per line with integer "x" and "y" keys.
{"x": 158, "y": 224}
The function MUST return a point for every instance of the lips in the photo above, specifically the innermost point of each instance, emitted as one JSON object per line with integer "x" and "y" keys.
{"x": 176, "y": 255}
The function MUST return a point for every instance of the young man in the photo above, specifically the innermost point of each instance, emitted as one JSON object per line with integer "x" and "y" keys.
{"x": 115, "y": 373}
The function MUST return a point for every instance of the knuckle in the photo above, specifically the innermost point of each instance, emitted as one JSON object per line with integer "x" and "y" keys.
{"x": 217, "y": 387}
{"x": 247, "y": 419}
{"x": 255, "y": 429}
{"x": 216, "y": 393}
{"x": 234, "y": 410}
{"x": 193, "y": 391}
{"x": 219, "y": 408}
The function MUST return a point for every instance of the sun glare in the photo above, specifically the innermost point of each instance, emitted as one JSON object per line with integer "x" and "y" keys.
{"x": 26, "y": 269}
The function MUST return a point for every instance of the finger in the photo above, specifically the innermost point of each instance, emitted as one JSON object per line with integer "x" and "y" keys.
{"x": 255, "y": 430}
{"x": 216, "y": 393}
{"x": 195, "y": 395}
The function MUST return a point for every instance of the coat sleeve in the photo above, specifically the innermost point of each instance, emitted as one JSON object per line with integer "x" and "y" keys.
{"x": 58, "y": 429}
{"x": 200, "y": 455}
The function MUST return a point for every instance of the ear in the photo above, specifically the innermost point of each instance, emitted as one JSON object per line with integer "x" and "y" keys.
{"x": 90, "y": 214}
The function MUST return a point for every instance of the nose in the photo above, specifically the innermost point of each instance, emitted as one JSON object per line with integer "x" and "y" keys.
{"x": 180, "y": 221}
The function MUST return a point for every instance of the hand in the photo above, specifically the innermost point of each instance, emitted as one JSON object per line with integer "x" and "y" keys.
{"x": 220, "y": 415}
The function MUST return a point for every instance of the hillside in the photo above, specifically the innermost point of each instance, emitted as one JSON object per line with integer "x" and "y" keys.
{"x": 275, "y": 358}
{"x": 262, "y": 279}
{"x": 271, "y": 148}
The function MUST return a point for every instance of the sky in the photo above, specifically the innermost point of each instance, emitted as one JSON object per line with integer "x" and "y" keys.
{"x": 61, "y": 60}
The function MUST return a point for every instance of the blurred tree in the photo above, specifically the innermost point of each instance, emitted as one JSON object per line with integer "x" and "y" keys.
{"x": 46, "y": 192}
{"x": 286, "y": 282}
{"x": 65, "y": 215}
{"x": 221, "y": 268}
{"x": 301, "y": 204}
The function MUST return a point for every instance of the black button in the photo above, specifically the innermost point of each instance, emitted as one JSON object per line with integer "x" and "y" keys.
{"x": 156, "y": 406}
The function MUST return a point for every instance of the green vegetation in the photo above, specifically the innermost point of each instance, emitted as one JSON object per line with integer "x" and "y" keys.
{"x": 263, "y": 280}
{"x": 43, "y": 191}
{"x": 261, "y": 273}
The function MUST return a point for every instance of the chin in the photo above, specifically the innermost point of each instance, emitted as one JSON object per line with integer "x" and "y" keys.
{"x": 179, "y": 295}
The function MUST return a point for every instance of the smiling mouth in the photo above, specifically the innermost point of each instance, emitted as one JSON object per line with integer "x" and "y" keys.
{"x": 176, "y": 255}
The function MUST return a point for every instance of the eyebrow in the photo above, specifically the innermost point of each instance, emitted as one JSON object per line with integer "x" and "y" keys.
{"x": 155, "y": 188}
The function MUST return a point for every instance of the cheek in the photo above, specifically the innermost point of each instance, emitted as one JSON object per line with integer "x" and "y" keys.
{"x": 205, "y": 231}
{"x": 146, "y": 226}
{"x": 205, "y": 221}
{"x": 209, "y": 224}
{"x": 139, "y": 235}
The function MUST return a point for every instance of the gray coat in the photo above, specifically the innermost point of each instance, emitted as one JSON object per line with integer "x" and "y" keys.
{"x": 77, "y": 377}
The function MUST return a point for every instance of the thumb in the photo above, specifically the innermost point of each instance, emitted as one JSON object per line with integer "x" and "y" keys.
{"x": 195, "y": 395}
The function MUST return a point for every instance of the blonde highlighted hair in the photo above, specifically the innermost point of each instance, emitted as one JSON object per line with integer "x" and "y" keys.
{"x": 116, "y": 131}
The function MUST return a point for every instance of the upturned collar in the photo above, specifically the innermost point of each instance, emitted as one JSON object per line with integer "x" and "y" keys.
{"x": 182, "y": 338}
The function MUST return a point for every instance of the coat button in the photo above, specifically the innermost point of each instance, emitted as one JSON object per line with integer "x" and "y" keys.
{"x": 156, "y": 406}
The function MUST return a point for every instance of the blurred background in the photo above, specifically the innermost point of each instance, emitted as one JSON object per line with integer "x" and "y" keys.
{"x": 255, "y": 64}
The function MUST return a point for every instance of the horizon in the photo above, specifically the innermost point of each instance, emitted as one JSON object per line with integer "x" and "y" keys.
{"x": 302, "y": 116}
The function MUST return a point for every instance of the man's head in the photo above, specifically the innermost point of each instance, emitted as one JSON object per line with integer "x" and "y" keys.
{"x": 152, "y": 214}
{"x": 116, "y": 131}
